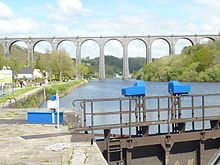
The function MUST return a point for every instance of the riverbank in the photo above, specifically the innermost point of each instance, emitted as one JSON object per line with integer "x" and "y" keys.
{"x": 17, "y": 93}
{"x": 34, "y": 96}
{"x": 63, "y": 88}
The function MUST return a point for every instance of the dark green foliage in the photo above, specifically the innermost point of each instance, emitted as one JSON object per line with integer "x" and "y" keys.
{"x": 114, "y": 65}
{"x": 196, "y": 63}
{"x": 136, "y": 63}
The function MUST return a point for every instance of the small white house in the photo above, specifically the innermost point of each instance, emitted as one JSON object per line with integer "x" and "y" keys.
{"x": 118, "y": 76}
{"x": 37, "y": 73}
{"x": 25, "y": 73}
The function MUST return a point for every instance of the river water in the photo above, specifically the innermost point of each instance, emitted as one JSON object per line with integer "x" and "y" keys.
{"x": 111, "y": 88}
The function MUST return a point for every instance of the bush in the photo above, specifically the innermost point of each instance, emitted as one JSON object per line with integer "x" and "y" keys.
{"x": 61, "y": 88}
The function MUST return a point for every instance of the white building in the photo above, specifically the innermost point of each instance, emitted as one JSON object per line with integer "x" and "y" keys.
{"x": 37, "y": 73}
{"x": 25, "y": 73}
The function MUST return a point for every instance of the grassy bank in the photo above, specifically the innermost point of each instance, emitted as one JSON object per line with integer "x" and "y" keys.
{"x": 33, "y": 101}
{"x": 63, "y": 88}
{"x": 17, "y": 93}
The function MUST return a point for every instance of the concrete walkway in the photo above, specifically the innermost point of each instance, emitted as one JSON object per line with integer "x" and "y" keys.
{"x": 22, "y": 143}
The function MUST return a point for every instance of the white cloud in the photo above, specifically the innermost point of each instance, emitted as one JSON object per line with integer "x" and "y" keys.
{"x": 113, "y": 48}
{"x": 137, "y": 48}
{"x": 43, "y": 47}
{"x": 69, "y": 47}
{"x": 206, "y": 15}
{"x": 5, "y": 11}
{"x": 90, "y": 48}
{"x": 70, "y": 7}
{"x": 11, "y": 24}
{"x": 67, "y": 11}
{"x": 207, "y": 2}
{"x": 71, "y": 14}
{"x": 17, "y": 26}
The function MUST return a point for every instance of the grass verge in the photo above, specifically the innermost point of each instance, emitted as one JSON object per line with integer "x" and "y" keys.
{"x": 17, "y": 93}
{"x": 62, "y": 88}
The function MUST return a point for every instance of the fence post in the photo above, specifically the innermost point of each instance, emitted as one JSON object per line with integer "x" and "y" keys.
{"x": 193, "y": 123}
{"x": 203, "y": 113}
{"x": 158, "y": 115}
{"x": 129, "y": 118}
{"x": 120, "y": 105}
{"x": 168, "y": 116}
{"x": 92, "y": 118}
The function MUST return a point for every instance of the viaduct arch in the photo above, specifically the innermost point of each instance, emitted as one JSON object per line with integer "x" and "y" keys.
{"x": 101, "y": 41}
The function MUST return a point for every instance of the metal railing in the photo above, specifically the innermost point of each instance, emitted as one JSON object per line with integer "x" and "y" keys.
{"x": 9, "y": 101}
{"x": 172, "y": 111}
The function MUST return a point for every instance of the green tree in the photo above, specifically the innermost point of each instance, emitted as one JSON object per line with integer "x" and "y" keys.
{"x": 2, "y": 61}
{"x": 42, "y": 62}
{"x": 196, "y": 63}
{"x": 84, "y": 70}
{"x": 61, "y": 64}
{"x": 135, "y": 63}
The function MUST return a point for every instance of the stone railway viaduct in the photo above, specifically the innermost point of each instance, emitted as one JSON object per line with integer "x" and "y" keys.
{"x": 101, "y": 41}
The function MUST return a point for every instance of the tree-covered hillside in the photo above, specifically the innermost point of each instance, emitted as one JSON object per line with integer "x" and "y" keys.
{"x": 114, "y": 65}
{"x": 17, "y": 60}
{"x": 196, "y": 63}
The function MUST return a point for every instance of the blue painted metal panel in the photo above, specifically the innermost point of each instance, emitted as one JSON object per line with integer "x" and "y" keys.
{"x": 132, "y": 91}
{"x": 137, "y": 89}
{"x": 139, "y": 83}
{"x": 181, "y": 89}
{"x": 171, "y": 84}
{"x": 175, "y": 88}
{"x": 44, "y": 117}
{"x": 53, "y": 98}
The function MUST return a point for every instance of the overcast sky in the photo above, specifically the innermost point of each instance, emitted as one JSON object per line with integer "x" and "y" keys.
{"x": 48, "y": 18}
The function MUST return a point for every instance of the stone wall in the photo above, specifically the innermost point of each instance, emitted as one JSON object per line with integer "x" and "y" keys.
{"x": 32, "y": 98}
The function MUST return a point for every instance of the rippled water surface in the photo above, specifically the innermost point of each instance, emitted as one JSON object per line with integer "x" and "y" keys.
{"x": 112, "y": 88}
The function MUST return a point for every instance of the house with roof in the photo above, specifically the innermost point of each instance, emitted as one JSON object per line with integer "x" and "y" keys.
{"x": 25, "y": 73}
